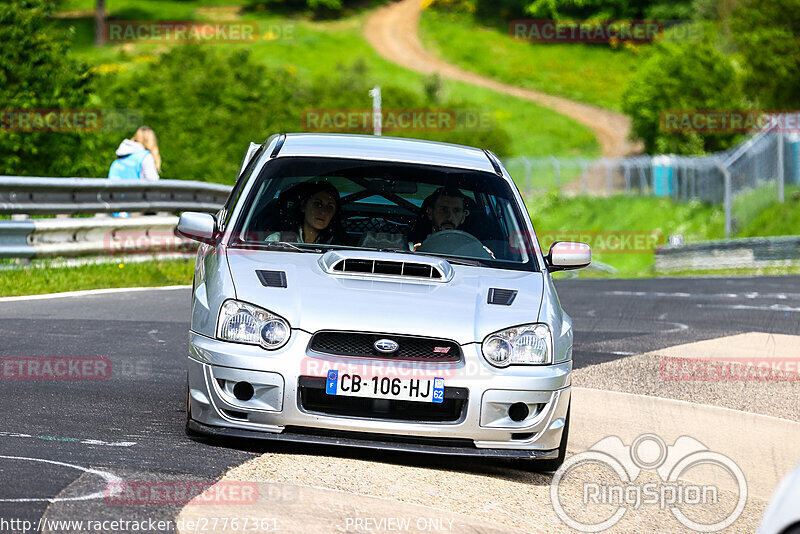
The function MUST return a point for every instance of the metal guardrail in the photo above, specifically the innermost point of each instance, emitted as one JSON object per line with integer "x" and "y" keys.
{"x": 752, "y": 252}
{"x": 38, "y": 196}
{"x": 40, "y": 238}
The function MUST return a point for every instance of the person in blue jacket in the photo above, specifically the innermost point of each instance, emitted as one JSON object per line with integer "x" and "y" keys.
{"x": 137, "y": 158}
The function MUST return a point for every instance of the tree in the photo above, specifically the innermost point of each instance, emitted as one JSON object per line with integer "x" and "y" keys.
{"x": 768, "y": 34}
{"x": 38, "y": 73}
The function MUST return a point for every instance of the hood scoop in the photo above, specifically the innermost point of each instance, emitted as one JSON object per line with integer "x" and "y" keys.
{"x": 386, "y": 265}
{"x": 502, "y": 297}
{"x": 272, "y": 278}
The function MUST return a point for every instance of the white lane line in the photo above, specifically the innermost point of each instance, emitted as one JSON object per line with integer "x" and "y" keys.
{"x": 152, "y": 334}
{"x": 108, "y": 477}
{"x": 88, "y": 292}
{"x": 749, "y": 295}
{"x": 87, "y": 441}
{"x": 773, "y": 307}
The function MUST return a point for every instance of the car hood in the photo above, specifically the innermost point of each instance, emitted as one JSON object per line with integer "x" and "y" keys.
{"x": 317, "y": 300}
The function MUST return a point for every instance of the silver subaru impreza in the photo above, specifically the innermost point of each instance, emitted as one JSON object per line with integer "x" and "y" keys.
{"x": 379, "y": 292}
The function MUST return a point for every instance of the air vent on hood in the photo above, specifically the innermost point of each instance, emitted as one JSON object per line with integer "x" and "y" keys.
{"x": 401, "y": 267}
{"x": 388, "y": 267}
{"x": 503, "y": 297}
{"x": 272, "y": 278}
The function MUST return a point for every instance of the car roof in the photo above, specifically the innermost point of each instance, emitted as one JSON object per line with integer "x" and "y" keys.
{"x": 379, "y": 148}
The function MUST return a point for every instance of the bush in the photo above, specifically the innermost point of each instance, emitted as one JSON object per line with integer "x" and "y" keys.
{"x": 37, "y": 72}
{"x": 681, "y": 76}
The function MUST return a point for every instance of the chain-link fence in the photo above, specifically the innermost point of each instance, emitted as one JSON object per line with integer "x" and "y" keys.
{"x": 744, "y": 178}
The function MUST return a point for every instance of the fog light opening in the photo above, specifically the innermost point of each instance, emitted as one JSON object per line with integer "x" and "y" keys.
{"x": 518, "y": 411}
{"x": 243, "y": 391}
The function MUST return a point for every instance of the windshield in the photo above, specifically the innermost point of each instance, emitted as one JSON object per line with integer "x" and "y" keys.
{"x": 316, "y": 204}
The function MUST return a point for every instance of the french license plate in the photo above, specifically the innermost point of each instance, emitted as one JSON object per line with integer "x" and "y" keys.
{"x": 376, "y": 387}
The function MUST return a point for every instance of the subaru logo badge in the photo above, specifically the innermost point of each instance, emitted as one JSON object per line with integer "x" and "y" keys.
{"x": 386, "y": 346}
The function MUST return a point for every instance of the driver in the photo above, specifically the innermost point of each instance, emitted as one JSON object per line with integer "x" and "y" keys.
{"x": 445, "y": 211}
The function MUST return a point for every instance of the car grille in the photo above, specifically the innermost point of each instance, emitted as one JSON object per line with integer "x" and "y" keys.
{"x": 313, "y": 398}
{"x": 410, "y": 348}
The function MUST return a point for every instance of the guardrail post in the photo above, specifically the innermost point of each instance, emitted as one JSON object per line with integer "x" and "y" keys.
{"x": 627, "y": 172}
{"x": 584, "y": 175}
{"x": 727, "y": 178}
{"x": 528, "y": 178}
{"x": 609, "y": 177}
{"x": 556, "y": 171}
{"x": 780, "y": 167}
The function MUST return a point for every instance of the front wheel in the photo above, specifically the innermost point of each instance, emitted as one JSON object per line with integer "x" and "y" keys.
{"x": 188, "y": 431}
{"x": 551, "y": 465}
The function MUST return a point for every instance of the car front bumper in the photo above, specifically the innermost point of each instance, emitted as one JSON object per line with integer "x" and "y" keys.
{"x": 479, "y": 426}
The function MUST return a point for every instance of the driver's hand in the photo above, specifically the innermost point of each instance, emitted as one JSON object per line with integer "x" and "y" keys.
{"x": 416, "y": 246}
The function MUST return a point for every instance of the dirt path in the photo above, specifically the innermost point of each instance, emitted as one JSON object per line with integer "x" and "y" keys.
{"x": 392, "y": 31}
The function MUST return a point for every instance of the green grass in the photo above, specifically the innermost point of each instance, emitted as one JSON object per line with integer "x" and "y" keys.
{"x": 589, "y": 73}
{"x": 604, "y": 221}
{"x": 47, "y": 279}
{"x": 318, "y": 49}
{"x": 757, "y": 213}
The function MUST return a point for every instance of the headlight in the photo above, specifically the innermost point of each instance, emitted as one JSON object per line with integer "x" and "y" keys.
{"x": 245, "y": 323}
{"x": 528, "y": 344}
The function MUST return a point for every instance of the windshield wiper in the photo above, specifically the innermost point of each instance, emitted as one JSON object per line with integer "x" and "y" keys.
{"x": 283, "y": 245}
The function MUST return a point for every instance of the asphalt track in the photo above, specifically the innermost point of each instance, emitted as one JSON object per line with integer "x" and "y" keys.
{"x": 130, "y": 425}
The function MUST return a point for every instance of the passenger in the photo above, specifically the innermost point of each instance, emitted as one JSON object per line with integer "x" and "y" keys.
{"x": 315, "y": 218}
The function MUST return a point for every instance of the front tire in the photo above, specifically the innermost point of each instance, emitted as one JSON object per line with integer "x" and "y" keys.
{"x": 551, "y": 465}
{"x": 189, "y": 432}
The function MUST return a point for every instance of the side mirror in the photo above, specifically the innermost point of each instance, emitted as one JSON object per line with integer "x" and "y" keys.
{"x": 198, "y": 227}
{"x": 567, "y": 255}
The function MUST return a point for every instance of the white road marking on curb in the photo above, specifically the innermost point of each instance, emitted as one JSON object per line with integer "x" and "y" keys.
{"x": 88, "y": 292}
{"x": 108, "y": 477}
{"x": 687, "y": 403}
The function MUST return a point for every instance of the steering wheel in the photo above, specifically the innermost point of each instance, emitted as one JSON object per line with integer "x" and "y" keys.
{"x": 457, "y": 243}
